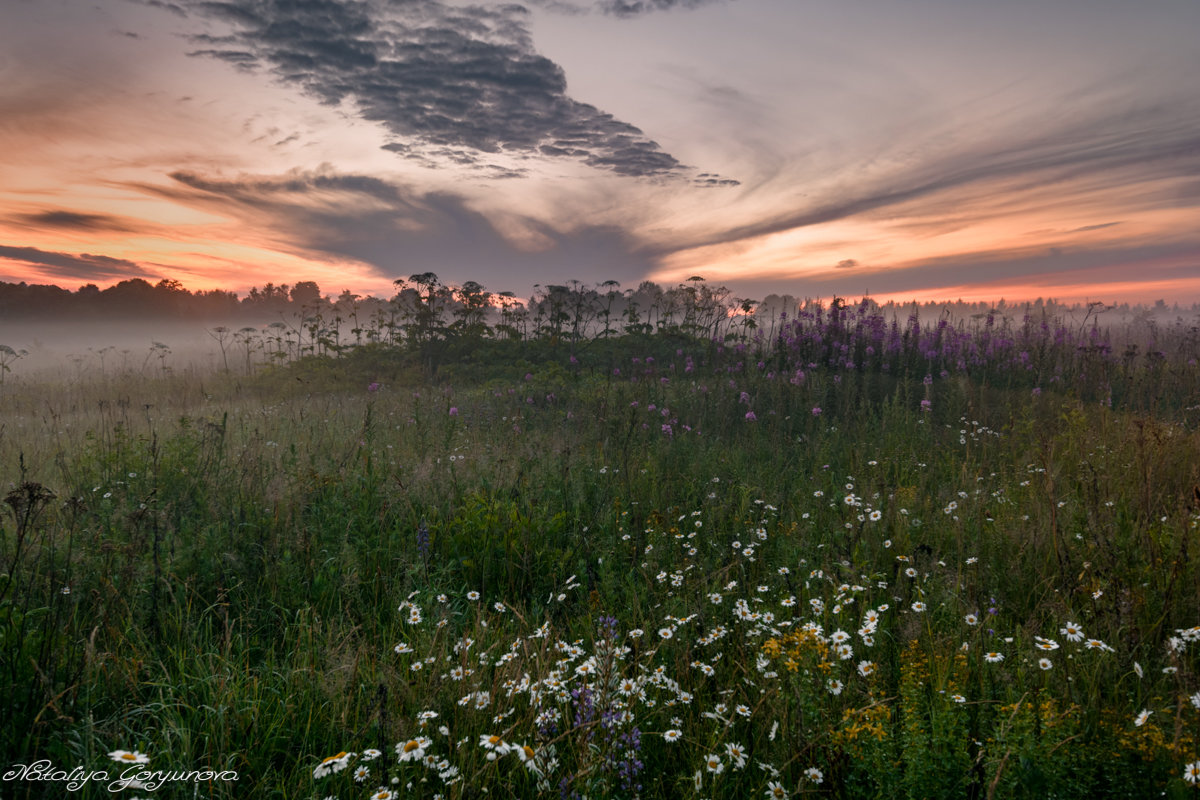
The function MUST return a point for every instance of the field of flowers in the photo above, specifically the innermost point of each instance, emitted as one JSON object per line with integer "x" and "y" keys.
{"x": 858, "y": 557}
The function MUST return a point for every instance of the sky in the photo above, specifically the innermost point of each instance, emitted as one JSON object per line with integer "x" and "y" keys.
{"x": 904, "y": 149}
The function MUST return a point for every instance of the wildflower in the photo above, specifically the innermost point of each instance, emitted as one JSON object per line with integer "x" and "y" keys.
{"x": 918, "y": 606}
{"x": 1073, "y": 632}
{"x": 666, "y": 633}
{"x": 1138, "y": 669}
{"x": 815, "y": 775}
{"x": 993, "y": 657}
{"x": 413, "y": 749}
{"x": 527, "y": 756}
{"x": 713, "y": 764}
{"x": 332, "y": 764}
{"x": 971, "y": 619}
{"x": 1045, "y": 663}
{"x": 876, "y": 515}
{"x": 383, "y": 794}
{"x": 1045, "y": 644}
{"x": 835, "y": 687}
{"x": 865, "y": 668}
{"x": 127, "y": 757}
{"x": 472, "y": 595}
{"x": 495, "y": 746}
{"x": 673, "y": 735}
{"x": 737, "y": 755}
{"x": 775, "y": 791}
{"x": 361, "y": 774}
{"x": 1191, "y": 772}
{"x": 958, "y": 698}
{"x": 370, "y": 754}
{"x": 1141, "y": 718}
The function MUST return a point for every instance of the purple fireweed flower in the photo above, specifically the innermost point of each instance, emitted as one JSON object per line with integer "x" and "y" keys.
{"x": 373, "y": 387}
{"x": 926, "y": 405}
{"x": 816, "y": 412}
{"x": 454, "y": 411}
{"x": 750, "y": 416}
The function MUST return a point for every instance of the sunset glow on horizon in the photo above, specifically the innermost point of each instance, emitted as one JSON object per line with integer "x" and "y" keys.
{"x": 933, "y": 150}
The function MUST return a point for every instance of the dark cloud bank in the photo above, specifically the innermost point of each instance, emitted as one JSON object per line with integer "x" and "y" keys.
{"x": 450, "y": 83}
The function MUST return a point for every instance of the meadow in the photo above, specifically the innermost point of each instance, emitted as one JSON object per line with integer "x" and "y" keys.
{"x": 843, "y": 555}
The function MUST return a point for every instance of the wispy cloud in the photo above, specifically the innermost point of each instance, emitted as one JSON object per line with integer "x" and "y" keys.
{"x": 1136, "y": 153}
{"x": 440, "y": 78}
{"x": 73, "y": 221}
{"x": 84, "y": 266}
{"x": 634, "y": 8}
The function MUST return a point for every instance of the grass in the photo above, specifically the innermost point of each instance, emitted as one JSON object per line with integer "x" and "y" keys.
{"x": 633, "y": 566}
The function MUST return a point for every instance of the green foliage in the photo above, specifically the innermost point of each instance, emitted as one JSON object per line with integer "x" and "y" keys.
{"x": 264, "y": 571}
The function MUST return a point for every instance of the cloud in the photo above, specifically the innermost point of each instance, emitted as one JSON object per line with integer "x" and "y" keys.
{"x": 848, "y": 263}
{"x": 397, "y": 231}
{"x": 173, "y": 8}
{"x": 84, "y": 266}
{"x": 73, "y": 221}
{"x": 1101, "y": 226}
{"x": 634, "y": 8}
{"x": 1107, "y": 155}
{"x": 438, "y": 77}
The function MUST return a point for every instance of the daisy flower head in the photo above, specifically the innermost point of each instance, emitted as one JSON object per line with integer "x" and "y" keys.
{"x": 713, "y": 764}
{"x": 332, "y": 764}
{"x": 361, "y": 773}
{"x": 1191, "y": 772}
{"x": 1045, "y": 663}
{"x": 1141, "y": 718}
{"x": 383, "y": 794}
{"x": 495, "y": 746}
{"x": 1045, "y": 644}
{"x": 1072, "y": 631}
{"x": 815, "y": 775}
{"x": 835, "y": 686}
{"x": 673, "y": 735}
{"x": 972, "y": 619}
{"x": 129, "y": 757}
{"x": 472, "y": 595}
{"x": 993, "y": 657}
{"x": 775, "y": 790}
{"x": 737, "y": 754}
{"x": 413, "y": 749}
{"x": 918, "y": 606}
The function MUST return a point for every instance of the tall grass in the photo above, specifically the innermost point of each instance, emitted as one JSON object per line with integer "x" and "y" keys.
{"x": 637, "y": 566}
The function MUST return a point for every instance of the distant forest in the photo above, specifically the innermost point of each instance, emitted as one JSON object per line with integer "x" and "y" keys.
{"x": 570, "y": 306}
